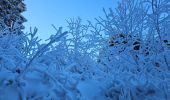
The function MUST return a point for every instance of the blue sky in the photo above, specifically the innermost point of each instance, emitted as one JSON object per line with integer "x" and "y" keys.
{"x": 43, "y": 13}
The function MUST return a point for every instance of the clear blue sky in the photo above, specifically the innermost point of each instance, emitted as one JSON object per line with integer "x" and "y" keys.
{"x": 43, "y": 13}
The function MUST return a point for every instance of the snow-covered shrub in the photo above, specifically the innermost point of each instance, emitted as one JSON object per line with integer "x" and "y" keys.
{"x": 121, "y": 57}
{"x": 23, "y": 77}
{"x": 79, "y": 49}
{"x": 137, "y": 44}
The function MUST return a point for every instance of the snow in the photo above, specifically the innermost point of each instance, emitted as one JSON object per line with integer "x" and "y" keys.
{"x": 90, "y": 90}
{"x": 83, "y": 64}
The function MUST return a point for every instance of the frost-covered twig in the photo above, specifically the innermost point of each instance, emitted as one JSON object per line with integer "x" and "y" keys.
{"x": 157, "y": 14}
{"x": 54, "y": 39}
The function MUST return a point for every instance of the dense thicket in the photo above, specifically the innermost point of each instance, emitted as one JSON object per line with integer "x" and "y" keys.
{"x": 123, "y": 56}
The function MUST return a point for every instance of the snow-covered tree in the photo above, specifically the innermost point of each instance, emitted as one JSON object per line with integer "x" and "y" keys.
{"x": 10, "y": 17}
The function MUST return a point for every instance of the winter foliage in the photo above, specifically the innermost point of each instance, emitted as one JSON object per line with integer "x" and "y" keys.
{"x": 124, "y": 56}
{"x": 10, "y": 17}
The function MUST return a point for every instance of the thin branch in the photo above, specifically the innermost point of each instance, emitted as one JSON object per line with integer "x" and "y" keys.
{"x": 42, "y": 50}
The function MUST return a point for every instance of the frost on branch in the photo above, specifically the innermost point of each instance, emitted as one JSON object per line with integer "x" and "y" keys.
{"x": 124, "y": 56}
{"x": 136, "y": 50}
